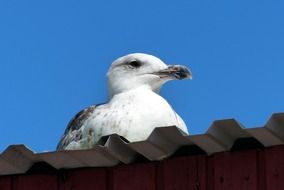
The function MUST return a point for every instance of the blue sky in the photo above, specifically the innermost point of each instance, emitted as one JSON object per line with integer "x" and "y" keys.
{"x": 54, "y": 56}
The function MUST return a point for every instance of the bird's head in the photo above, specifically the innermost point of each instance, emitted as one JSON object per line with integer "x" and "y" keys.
{"x": 138, "y": 69}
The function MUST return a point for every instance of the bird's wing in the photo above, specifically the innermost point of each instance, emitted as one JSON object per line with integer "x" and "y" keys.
{"x": 73, "y": 132}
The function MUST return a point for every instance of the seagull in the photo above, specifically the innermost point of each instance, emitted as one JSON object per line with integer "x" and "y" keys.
{"x": 134, "y": 108}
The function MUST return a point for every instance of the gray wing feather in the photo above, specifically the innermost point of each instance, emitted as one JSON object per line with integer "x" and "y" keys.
{"x": 73, "y": 132}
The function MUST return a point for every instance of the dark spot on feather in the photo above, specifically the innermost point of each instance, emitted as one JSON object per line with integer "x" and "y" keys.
{"x": 91, "y": 132}
{"x": 78, "y": 136}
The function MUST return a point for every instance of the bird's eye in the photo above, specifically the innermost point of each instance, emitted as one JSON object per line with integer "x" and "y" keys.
{"x": 134, "y": 64}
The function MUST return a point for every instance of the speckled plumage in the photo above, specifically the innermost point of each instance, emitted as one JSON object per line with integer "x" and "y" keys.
{"x": 135, "y": 107}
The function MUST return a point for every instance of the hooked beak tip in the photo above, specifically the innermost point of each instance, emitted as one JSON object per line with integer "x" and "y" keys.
{"x": 180, "y": 72}
{"x": 175, "y": 72}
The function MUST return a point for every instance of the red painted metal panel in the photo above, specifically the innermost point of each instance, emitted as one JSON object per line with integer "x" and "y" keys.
{"x": 35, "y": 182}
{"x": 261, "y": 171}
{"x": 183, "y": 173}
{"x": 5, "y": 183}
{"x": 210, "y": 183}
{"x": 221, "y": 176}
{"x": 138, "y": 177}
{"x": 84, "y": 179}
{"x": 274, "y": 158}
{"x": 236, "y": 170}
{"x": 245, "y": 170}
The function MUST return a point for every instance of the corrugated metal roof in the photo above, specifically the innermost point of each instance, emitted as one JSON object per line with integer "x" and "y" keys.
{"x": 223, "y": 135}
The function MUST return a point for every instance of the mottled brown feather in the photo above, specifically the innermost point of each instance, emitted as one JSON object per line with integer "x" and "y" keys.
{"x": 74, "y": 127}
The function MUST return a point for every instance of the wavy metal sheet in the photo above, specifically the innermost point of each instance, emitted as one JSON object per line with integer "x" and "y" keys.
{"x": 162, "y": 143}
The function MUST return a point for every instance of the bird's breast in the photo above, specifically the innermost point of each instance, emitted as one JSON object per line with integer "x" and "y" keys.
{"x": 133, "y": 116}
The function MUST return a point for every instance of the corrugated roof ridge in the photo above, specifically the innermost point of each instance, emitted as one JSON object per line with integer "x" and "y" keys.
{"x": 162, "y": 143}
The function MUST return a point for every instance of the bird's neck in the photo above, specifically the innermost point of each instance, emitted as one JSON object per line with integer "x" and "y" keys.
{"x": 136, "y": 91}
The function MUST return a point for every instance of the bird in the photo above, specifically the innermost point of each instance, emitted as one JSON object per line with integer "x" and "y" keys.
{"x": 134, "y": 108}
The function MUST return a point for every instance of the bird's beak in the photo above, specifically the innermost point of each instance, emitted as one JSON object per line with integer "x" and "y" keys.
{"x": 176, "y": 72}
